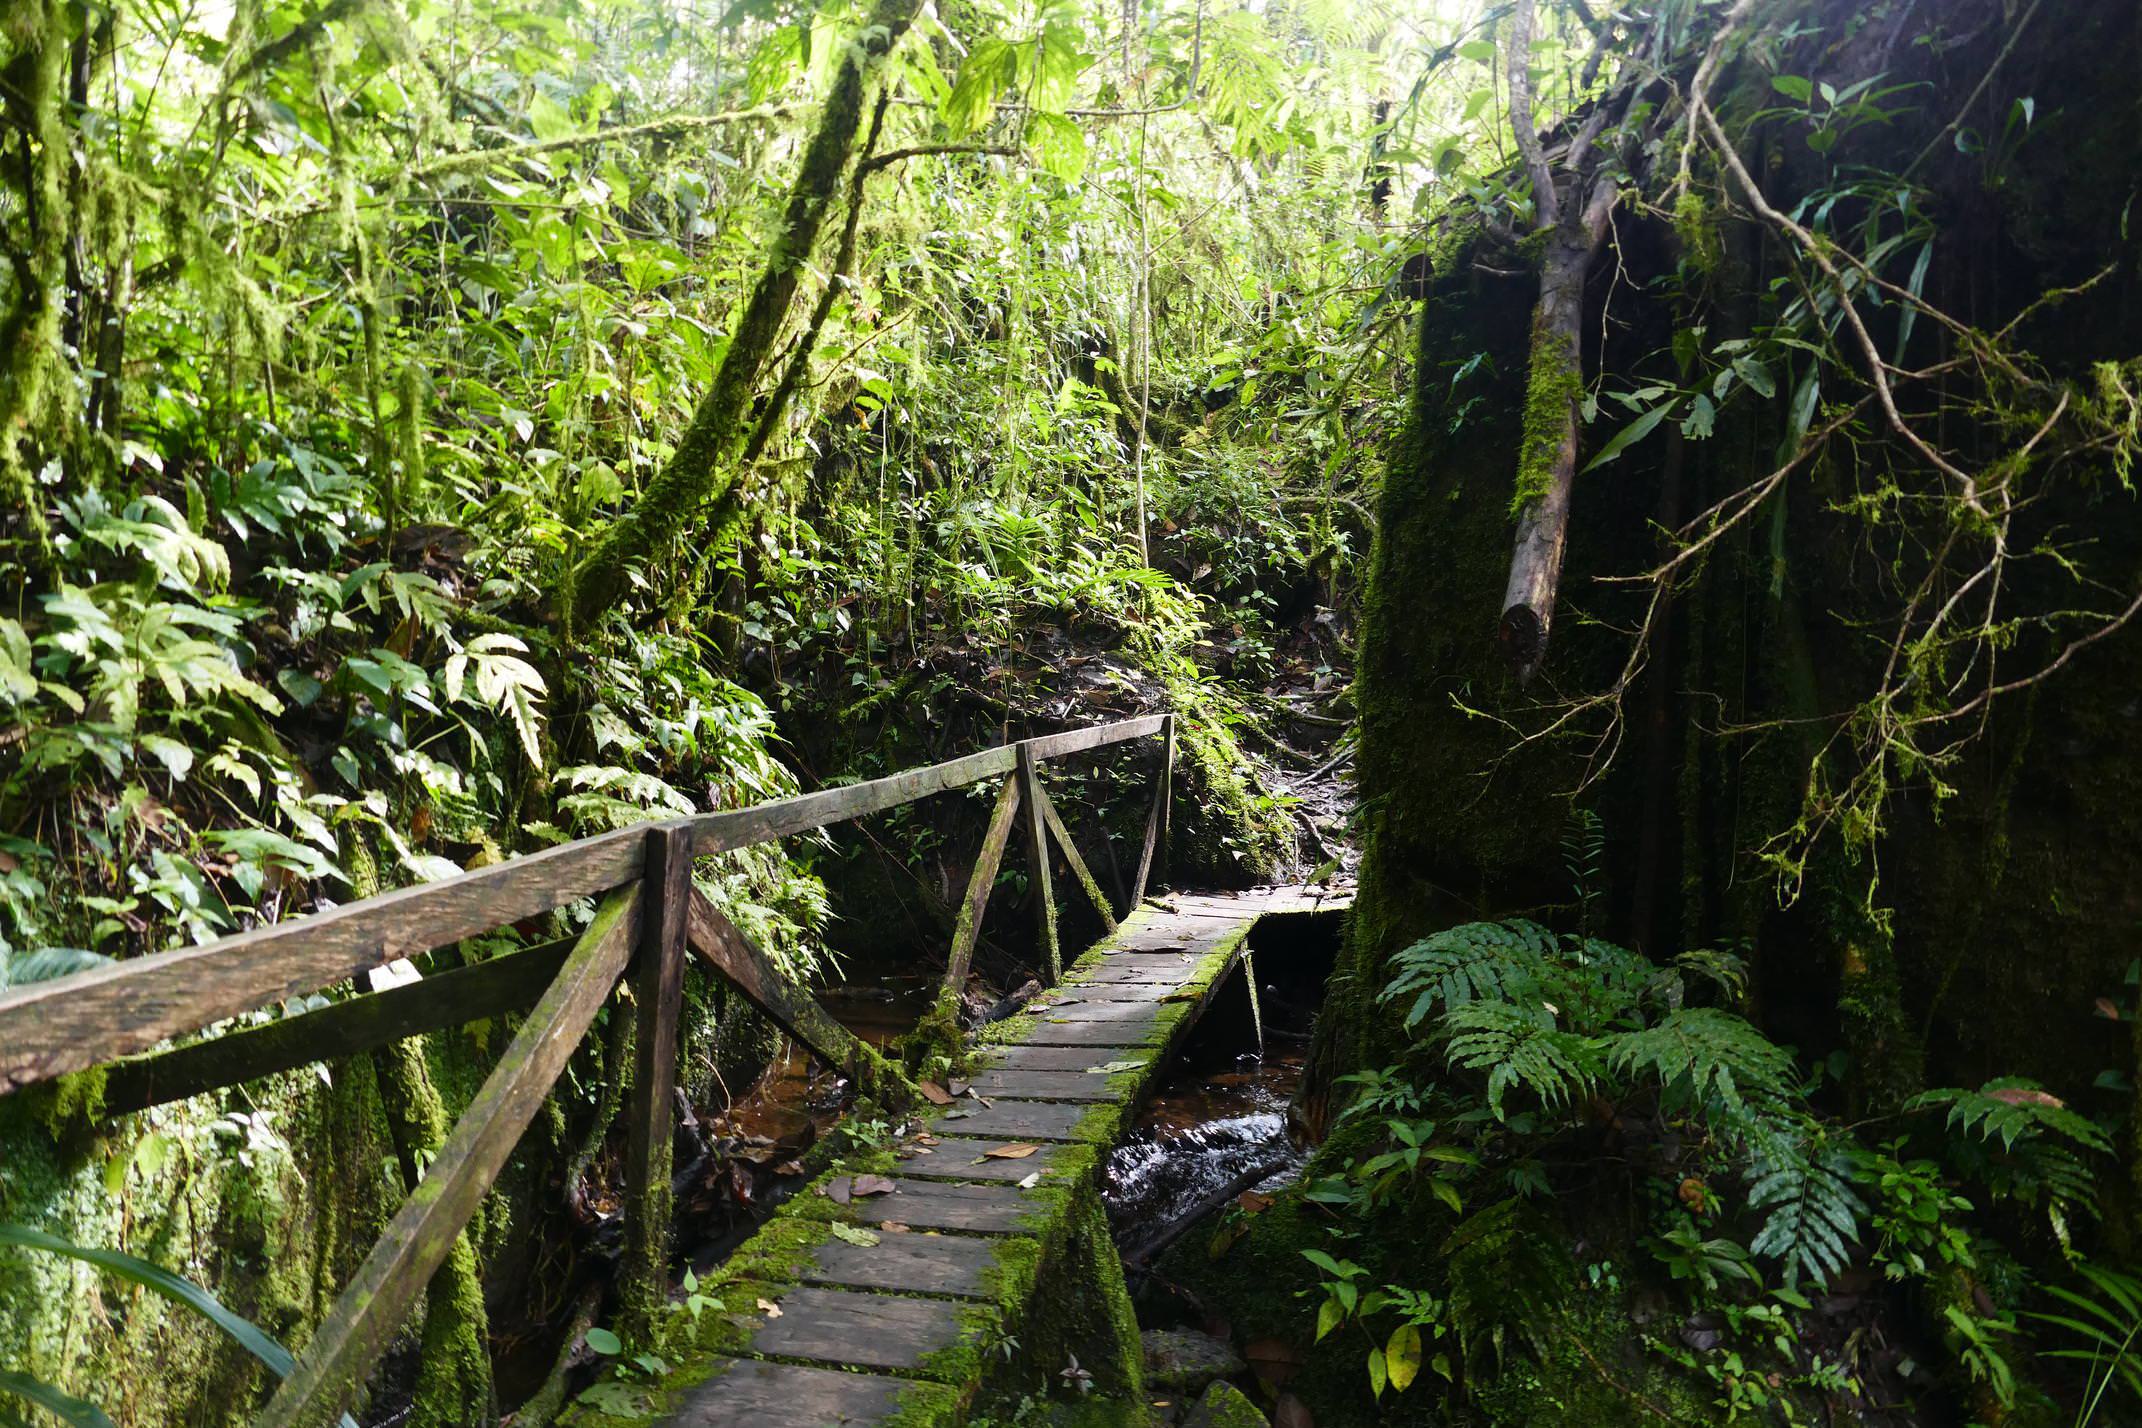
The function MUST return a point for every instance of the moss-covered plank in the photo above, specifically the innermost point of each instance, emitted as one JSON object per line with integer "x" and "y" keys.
{"x": 843, "y": 1326}
{"x": 1044, "y": 1086}
{"x": 745, "y": 1394}
{"x": 962, "y": 1159}
{"x": 1021, "y": 1120}
{"x": 1053, "y": 1058}
{"x": 954, "y": 1265}
{"x": 937, "y": 1205}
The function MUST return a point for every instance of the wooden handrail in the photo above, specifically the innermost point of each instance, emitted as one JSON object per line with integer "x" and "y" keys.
{"x": 50, "y": 1028}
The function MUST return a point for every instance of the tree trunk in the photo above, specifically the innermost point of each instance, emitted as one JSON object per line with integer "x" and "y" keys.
{"x": 706, "y": 466}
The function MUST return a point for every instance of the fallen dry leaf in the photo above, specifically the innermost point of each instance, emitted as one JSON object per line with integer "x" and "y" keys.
{"x": 773, "y": 1310}
{"x": 1018, "y": 1150}
{"x": 1030, "y": 1181}
{"x": 935, "y": 1094}
{"x": 873, "y": 1185}
{"x": 837, "y": 1190}
{"x": 789, "y": 1167}
{"x": 893, "y": 1227}
{"x": 1254, "y": 1202}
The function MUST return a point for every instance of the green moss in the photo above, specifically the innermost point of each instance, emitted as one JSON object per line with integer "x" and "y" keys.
{"x": 1554, "y": 383}
{"x": 1226, "y": 1406}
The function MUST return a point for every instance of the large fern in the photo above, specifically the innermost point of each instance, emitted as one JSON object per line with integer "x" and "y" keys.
{"x": 1700, "y": 1055}
{"x": 2010, "y": 1109}
{"x": 1521, "y": 1046}
{"x": 1477, "y": 961}
{"x": 1805, "y": 1185}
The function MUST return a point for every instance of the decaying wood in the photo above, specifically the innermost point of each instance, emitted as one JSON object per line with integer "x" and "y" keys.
{"x": 417, "y": 1241}
{"x": 1037, "y": 844}
{"x": 365, "y": 1023}
{"x": 49, "y": 1028}
{"x": 1079, "y": 870}
{"x": 658, "y": 988}
{"x": 984, "y": 878}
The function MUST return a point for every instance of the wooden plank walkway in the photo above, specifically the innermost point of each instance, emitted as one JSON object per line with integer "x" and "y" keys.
{"x": 851, "y": 1308}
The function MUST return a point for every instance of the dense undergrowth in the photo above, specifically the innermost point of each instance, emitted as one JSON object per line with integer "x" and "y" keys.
{"x": 431, "y": 432}
{"x": 334, "y": 341}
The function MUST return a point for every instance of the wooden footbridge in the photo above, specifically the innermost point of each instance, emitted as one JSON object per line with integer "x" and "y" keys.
{"x": 902, "y": 1322}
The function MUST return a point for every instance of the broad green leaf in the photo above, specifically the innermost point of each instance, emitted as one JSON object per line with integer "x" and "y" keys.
{"x": 1634, "y": 432}
{"x": 1402, "y": 1356}
{"x": 603, "y": 1341}
{"x": 1058, "y": 144}
{"x": 73, "y": 1412}
{"x": 1793, "y": 86}
{"x": 158, "y": 1280}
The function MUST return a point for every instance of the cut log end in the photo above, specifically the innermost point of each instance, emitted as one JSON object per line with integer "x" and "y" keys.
{"x": 1523, "y": 639}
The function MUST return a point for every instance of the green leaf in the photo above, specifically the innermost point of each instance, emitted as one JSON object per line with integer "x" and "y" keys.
{"x": 1377, "y": 1372}
{"x": 854, "y": 1235}
{"x": 161, "y": 1281}
{"x": 990, "y": 65}
{"x": 1634, "y": 432}
{"x": 602, "y": 1341}
{"x": 1478, "y": 51}
{"x": 1793, "y": 86}
{"x": 1329, "y": 1317}
{"x": 74, "y": 1412}
{"x": 1402, "y": 1356}
{"x": 1058, "y": 145}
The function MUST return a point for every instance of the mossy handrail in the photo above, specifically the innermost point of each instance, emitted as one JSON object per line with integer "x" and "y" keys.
{"x": 649, "y": 918}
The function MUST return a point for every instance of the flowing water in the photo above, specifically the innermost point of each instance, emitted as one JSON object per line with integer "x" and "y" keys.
{"x": 1220, "y": 1113}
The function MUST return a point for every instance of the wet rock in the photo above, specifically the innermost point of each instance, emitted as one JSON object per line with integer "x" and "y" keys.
{"x": 1184, "y": 1360}
{"x": 1225, "y": 1406}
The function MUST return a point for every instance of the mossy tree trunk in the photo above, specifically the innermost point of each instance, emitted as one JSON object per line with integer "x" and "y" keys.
{"x": 708, "y": 466}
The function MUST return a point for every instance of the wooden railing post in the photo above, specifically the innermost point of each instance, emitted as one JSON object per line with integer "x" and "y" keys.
{"x": 968, "y": 929}
{"x": 1156, "y": 821}
{"x": 1037, "y": 844}
{"x": 658, "y": 990}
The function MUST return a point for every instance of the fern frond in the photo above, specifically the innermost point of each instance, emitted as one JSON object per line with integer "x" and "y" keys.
{"x": 1814, "y": 1214}
{"x": 2009, "y": 1109}
{"x": 1522, "y": 1047}
{"x": 1706, "y": 1054}
{"x": 1478, "y": 961}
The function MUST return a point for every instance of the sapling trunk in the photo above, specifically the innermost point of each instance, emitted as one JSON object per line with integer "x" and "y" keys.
{"x": 707, "y": 464}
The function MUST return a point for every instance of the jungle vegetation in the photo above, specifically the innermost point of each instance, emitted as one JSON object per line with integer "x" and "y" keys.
{"x": 1678, "y": 456}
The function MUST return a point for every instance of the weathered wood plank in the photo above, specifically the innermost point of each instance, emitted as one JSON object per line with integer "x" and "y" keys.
{"x": 658, "y": 989}
{"x": 748, "y": 1394}
{"x": 462, "y": 994}
{"x": 1078, "y": 864}
{"x": 957, "y": 1158}
{"x": 940, "y": 1205}
{"x": 969, "y": 927}
{"x": 1016, "y": 1085}
{"x": 1016, "y": 1121}
{"x": 1056, "y": 1058}
{"x": 739, "y": 828}
{"x": 1037, "y": 848}
{"x": 1092, "y": 1033}
{"x": 841, "y": 1326}
{"x": 50, "y": 1028}
{"x": 905, "y": 1264}
{"x": 372, "y": 1308}
{"x": 1074, "y": 741}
